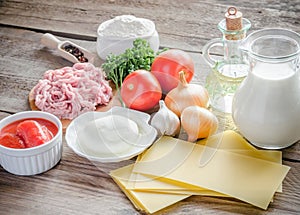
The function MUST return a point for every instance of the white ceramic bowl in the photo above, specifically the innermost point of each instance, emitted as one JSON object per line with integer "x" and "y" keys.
{"x": 35, "y": 160}
{"x": 147, "y": 132}
{"x": 107, "y": 44}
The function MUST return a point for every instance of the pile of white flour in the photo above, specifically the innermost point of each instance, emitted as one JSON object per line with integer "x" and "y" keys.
{"x": 126, "y": 26}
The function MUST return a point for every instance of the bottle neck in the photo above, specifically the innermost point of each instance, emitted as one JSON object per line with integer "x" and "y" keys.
{"x": 232, "y": 52}
{"x": 232, "y": 40}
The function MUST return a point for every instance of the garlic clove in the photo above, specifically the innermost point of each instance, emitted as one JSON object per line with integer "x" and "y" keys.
{"x": 158, "y": 122}
{"x": 165, "y": 121}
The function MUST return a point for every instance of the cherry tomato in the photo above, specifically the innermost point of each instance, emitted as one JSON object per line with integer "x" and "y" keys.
{"x": 141, "y": 90}
{"x": 167, "y": 65}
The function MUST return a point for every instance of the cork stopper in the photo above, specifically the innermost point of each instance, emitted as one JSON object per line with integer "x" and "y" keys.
{"x": 233, "y": 19}
{"x": 234, "y": 22}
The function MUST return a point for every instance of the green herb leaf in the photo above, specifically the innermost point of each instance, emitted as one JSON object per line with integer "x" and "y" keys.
{"x": 140, "y": 56}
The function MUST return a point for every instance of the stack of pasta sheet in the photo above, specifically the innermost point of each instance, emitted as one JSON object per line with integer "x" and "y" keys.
{"x": 223, "y": 165}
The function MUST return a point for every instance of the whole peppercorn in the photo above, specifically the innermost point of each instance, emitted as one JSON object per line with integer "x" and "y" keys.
{"x": 75, "y": 52}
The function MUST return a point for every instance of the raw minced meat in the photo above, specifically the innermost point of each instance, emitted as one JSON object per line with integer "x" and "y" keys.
{"x": 71, "y": 91}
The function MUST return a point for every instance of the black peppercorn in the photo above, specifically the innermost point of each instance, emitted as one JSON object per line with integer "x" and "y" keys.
{"x": 75, "y": 52}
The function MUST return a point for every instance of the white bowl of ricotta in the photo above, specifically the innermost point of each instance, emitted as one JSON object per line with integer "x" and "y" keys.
{"x": 116, "y": 35}
{"x": 112, "y": 136}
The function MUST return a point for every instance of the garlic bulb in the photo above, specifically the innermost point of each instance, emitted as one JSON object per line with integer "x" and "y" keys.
{"x": 198, "y": 122}
{"x": 185, "y": 95}
{"x": 165, "y": 121}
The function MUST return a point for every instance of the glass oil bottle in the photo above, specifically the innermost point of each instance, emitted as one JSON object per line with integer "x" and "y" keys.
{"x": 227, "y": 73}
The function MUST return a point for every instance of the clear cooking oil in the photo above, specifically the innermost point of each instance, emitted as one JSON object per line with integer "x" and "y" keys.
{"x": 227, "y": 74}
{"x": 221, "y": 85}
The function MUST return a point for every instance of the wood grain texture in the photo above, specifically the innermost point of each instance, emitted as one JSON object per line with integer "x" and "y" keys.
{"x": 181, "y": 24}
{"x": 77, "y": 185}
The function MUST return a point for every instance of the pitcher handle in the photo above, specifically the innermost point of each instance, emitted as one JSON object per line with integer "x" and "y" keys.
{"x": 206, "y": 50}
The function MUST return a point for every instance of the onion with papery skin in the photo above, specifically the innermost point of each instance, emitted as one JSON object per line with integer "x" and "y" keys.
{"x": 185, "y": 95}
{"x": 198, "y": 122}
{"x": 165, "y": 121}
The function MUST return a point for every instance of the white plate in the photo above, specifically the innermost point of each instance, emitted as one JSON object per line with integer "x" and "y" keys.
{"x": 147, "y": 132}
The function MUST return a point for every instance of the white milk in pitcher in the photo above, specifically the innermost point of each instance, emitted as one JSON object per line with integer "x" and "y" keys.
{"x": 273, "y": 72}
{"x": 266, "y": 106}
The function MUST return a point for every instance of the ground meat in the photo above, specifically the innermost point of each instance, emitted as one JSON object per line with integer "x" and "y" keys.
{"x": 71, "y": 91}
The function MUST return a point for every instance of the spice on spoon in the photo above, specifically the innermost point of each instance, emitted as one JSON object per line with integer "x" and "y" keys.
{"x": 75, "y": 52}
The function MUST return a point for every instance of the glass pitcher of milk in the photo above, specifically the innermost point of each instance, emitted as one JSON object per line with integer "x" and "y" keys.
{"x": 266, "y": 106}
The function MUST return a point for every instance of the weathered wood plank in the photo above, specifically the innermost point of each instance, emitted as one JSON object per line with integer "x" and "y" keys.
{"x": 187, "y": 25}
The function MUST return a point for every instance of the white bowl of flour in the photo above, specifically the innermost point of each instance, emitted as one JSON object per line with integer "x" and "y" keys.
{"x": 117, "y": 34}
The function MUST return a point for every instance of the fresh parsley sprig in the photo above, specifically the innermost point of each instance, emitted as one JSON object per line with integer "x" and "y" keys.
{"x": 140, "y": 56}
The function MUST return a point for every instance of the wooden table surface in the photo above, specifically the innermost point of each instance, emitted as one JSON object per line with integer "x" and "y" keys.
{"x": 76, "y": 185}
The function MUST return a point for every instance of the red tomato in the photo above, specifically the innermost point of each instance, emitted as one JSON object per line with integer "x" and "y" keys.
{"x": 33, "y": 133}
{"x": 11, "y": 141}
{"x": 141, "y": 90}
{"x": 167, "y": 65}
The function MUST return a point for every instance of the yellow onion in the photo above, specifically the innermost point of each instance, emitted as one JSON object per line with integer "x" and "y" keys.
{"x": 185, "y": 95}
{"x": 198, "y": 122}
